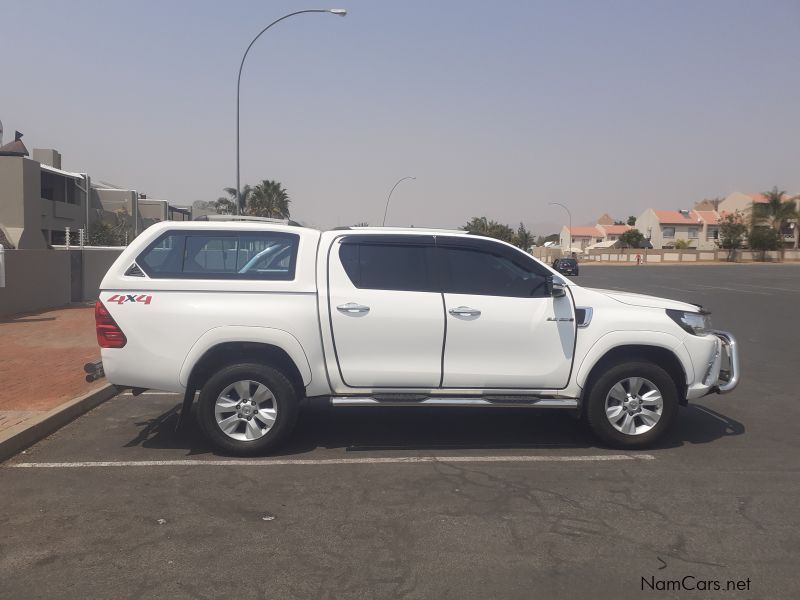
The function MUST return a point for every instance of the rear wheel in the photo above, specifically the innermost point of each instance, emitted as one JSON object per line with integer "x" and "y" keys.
{"x": 247, "y": 409}
{"x": 632, "y": 404}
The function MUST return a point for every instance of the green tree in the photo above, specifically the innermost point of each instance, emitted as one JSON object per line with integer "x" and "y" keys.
{"x": 226, "y": 206}
{"x": 631, "y": 221}
{"x": 732, "y": 232}
{"x": 523, "y": 238}
{"x": 761, "y": 239}
{"x": 489, "y": 228}
{"x": 682, "y": 244}
{"x": 775, "y": 213}
{"x": 269, "y": 199}
{"x": 619, "y": 223}
{"x": 109, "y": 234}
{"x": 103, "y": 234}
{"x": 633, "y": 238}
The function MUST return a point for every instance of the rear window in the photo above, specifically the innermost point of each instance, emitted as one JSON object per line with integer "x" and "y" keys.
{"x": 568, "y": 262}
{"x": 267, "y": 255}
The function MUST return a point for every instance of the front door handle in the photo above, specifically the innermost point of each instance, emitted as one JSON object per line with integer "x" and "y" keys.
{"x": 464, "y": 311}
{"x": 353, "y": 309}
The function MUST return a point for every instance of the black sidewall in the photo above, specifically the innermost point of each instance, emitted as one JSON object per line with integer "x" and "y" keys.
{"x": 595, "y": 411}
{"x": 285, "y": 398}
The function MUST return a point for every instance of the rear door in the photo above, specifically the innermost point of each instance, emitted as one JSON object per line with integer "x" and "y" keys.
{"x": 386, "y": 317}
{"x": 504, "y": 330}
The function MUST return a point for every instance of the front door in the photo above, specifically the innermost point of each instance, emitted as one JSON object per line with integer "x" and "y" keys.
{"x": 387, "y": 322}
{"x": 504, "y": 330}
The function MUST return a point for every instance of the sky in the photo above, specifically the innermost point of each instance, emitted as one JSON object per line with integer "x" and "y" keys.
{"x": 497, "y": 108}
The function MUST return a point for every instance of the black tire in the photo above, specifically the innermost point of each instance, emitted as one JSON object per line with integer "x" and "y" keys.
{"x": 285, "y": 399}
{"x": 601, "y": 387}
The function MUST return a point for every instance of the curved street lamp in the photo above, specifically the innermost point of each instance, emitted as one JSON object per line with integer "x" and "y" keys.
{"x": 399, "y": 181}
{"x": 570, "y": 222}
{"x": 334, "y": 11}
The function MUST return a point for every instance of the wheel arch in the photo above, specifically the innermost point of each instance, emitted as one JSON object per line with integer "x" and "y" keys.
{"x": 225, "y": 346}
{"x": 662, "y": 356}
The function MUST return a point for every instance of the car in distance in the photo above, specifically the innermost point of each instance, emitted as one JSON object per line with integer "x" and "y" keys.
{"x": 566, "y": 266}
{"x": 257, "y": 316}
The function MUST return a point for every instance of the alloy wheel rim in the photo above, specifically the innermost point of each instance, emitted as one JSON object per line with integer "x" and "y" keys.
{"x": 246, "y": 410}
{"x": 634, "y": 405}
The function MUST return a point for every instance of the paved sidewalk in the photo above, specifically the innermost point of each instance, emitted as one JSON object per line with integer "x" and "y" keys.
{"x": 41, "y": 361}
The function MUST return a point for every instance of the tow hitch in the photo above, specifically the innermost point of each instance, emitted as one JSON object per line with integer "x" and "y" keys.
{"x": 94, "y": 371}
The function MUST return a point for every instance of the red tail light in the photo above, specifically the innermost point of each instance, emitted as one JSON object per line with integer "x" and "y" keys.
{"x": 109, "y": 335}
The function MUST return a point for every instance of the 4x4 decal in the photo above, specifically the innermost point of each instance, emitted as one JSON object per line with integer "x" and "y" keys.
{"x": 123, "y": 298}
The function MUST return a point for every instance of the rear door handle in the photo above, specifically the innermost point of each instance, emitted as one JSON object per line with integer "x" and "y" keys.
{"x": 464, "y": 311}
{"x": 353, "y": 308}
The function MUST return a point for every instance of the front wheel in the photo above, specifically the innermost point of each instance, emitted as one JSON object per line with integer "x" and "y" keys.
{"x": 247, "y": 409}
{"x": 632, "y": 404}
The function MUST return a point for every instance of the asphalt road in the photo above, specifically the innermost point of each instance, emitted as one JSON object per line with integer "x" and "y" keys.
{"x": 529, "y": 508}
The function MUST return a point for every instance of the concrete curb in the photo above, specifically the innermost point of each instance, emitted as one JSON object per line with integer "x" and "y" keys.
{"x": 24, "y": 435}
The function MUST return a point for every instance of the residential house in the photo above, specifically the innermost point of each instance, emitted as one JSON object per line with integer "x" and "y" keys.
{"x": 665, "y": 227}
{"x": 577, "y": 239}
{"x": 40, "y": 201}
{"x": 612, "y": 232}
{"x": 743, "y": 203}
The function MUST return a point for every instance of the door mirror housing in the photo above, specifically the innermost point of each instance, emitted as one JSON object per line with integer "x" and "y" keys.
{"x": 556, "y": 287}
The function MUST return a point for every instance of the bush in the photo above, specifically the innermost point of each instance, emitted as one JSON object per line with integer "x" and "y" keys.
{"x": 762, "y": 239}
{"x": 103, "y": 234}
{"x": 633, "y": 238}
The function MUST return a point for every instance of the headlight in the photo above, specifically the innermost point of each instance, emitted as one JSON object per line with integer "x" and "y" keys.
{"x": 696, "y": 323}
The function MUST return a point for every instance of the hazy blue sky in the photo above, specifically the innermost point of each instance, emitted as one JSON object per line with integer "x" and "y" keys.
{"x": 496, "y": 107}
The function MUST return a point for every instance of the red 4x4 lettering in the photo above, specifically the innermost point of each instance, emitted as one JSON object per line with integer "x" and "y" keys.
{"x": 123, "y": 298}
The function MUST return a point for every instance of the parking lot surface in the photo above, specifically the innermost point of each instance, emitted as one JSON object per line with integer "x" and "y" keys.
{"x": 432, "y": 503}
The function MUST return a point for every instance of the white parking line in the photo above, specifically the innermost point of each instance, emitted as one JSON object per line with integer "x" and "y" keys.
{"x": 327, "y": 461}
{"x": 152, "y": 394}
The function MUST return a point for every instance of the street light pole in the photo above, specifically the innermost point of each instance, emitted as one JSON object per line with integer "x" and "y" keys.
{"x": 570, "y": 221}
{"x": 399, "y": 181}
{"x": 334, "y": 11}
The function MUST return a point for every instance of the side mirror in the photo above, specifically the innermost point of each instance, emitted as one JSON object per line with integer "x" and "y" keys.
{"x": 556, "y": 287}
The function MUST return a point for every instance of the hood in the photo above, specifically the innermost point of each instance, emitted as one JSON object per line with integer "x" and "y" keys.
{"x": 647, "y": 301}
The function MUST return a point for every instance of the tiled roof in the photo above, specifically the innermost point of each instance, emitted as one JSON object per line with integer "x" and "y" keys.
{"x": 585, "y": 232}
{"x": 616, "y": 229}
{"x": 674, "y": 217}
{"x": 760, "y": 198}
{"x": 711, "y": 217}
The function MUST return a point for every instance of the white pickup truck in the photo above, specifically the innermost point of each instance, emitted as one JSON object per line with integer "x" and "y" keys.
{"x": 257, "y": 316}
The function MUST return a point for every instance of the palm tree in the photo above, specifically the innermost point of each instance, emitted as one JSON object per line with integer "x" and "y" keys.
{"x": 269, "y": 199}
{"x": 225, "y": 206}
{"x": 775, "y": 212}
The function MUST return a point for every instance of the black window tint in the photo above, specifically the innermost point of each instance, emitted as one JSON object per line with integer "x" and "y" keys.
{"x": 210, "y": 254}
{"x": 165, "y": 256}
{"x": 387, "y": 266}
{"x": 270, "y": 255}
{"x": 473, "y": 271}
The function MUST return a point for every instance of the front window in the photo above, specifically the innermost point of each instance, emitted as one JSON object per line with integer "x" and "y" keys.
{"x": 480, "y": 272}
{"x": 668, "y": 232}
{"x": 693, "y": 233}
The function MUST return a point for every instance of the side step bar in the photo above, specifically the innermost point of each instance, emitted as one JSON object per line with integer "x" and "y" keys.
{"x": 502, "y": 401}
